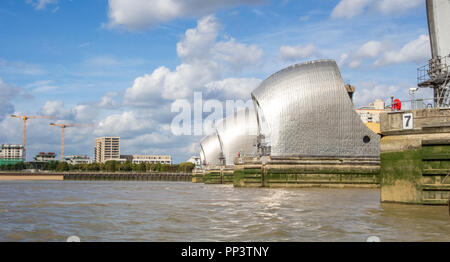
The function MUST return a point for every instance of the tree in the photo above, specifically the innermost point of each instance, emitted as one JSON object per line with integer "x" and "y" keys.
{"x": 111, "y": 166}
{"x": 52, "y": 165}
{"x": 141, "y": 167}
{"x": 63, "y": 166}
{"x": 126, "y": 166}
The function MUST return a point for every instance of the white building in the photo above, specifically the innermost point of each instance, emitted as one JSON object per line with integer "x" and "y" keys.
{"x": 77, "y": 160}
{"x": 195, "y": 160}
{"x": 45, "y": 157}
{"x": 137, "y": 159}
{"x": 12, "y": 152}
{"x": 371, "y": 113}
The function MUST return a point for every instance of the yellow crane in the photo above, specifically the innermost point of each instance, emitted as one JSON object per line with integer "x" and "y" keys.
{"x": 25, "y": 119}
{"x": 63, "y": 127}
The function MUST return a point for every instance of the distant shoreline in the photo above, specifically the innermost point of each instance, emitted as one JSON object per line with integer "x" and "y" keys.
{"x": 18, "y": 177}
{"x": 124, "y": 176}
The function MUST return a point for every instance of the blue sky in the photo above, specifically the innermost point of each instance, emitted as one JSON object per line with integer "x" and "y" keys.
{"x": 121, "y": 63}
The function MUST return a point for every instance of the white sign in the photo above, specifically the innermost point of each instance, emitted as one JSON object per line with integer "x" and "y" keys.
{"x": 408, "y": 121}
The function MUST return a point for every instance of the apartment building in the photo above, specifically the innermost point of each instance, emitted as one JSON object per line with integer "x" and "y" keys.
{"x": 107, "y": 148}
{"x": 12, "y": 152}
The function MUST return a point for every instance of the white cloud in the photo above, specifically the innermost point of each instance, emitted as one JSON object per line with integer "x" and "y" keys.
{"x": 417, "y": 50}
{"x": 368, "y": 92}
{"x": 126, "y": 124}
{"x": 352, "y": 8}
{"x": 198, "y": 41}
{"x": 203, "y": 61}
{"x": 343, "y": 59}
{"x": 237, "y": 55}
{"x": 369, "y": 50}
{"x": 382, "y": 54}
{"x": 238, "y": 88}
{"x": 56, "y": 108}
{"x": 293, "y": 53}
{"x": 108, "y": 101}
{"x": 80, "y": 113}
{"x": 41, "y": 4}
{"x": 138, "y": 14}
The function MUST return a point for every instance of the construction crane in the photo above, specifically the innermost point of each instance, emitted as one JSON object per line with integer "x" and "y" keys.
{"x": 25, "y": 119}
{"x": 63, "y": 127}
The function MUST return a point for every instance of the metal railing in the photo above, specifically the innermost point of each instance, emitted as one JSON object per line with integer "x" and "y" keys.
{"x": 437, "y": 69}
{"x": 420, "y": 103}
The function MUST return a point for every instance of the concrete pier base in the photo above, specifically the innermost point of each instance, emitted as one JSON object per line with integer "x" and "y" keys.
{"x": 415, "y": 163}
{"x": 197, "y": 176}
{"x": 222, "y": 175}
{"x": 297, "y": 172}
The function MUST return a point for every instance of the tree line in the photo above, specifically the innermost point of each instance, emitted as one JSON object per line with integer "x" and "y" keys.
{"x": 109, "y": 166}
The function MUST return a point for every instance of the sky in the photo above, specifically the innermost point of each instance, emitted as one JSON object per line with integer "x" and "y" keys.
{"x": 120, "y": 64}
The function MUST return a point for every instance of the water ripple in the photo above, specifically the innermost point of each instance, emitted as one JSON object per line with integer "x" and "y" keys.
{"x": 160, "y": 211}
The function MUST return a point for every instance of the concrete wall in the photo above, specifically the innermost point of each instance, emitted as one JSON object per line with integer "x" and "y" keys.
{"x": 308, "y": 172}
{"x": 415, "y": 163}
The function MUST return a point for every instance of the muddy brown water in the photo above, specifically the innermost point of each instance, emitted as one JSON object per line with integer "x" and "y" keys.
{"x": 171, "y": 211}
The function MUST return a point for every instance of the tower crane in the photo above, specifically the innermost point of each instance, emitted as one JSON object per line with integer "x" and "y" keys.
{"x": 25, "y": 119}
{"x": 63, "y": 127}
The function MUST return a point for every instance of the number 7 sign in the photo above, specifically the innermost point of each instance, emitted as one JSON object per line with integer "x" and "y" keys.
{"x": 408, "y": 121}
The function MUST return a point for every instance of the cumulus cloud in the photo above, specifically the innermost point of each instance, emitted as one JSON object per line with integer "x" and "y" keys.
{"x": 108, "y": 101}
{"x": 125, "y": 124}
{"x": 382, "y": 54}
{"x": 237, "y": 55}
{"x": 370, "y": 49}
{"x": 238, "y": 88}
{"x": 56, "y": 108}
{"x": 197, "y": 42}
{"x": 417, "y": 50}
{"x": 139, "y": 14}
{"x": 352, "y": 8}
{"x": 80, "y": 113}
{"x": 293, "y": 53}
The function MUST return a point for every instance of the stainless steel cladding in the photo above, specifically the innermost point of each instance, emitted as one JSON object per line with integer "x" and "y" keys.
{"x": 304, "y": 110}
{"x": 210, "y": 151}
{"x": 238, "y": 134}
{"x": 439, "y": 26}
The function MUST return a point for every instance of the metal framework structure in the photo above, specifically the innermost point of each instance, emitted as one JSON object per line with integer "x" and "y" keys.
{"x": 305, "y": 110}
{"x": 63, "y": 127}
{"x": 436, "y": 74}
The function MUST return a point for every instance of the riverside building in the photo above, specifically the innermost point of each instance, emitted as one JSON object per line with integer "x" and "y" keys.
{"x": 107, "y": 148}
{"x": 11, "y": 154}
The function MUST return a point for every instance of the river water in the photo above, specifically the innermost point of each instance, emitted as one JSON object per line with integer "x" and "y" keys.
{"x": 160, "y": 211}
